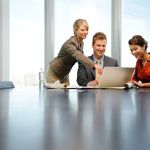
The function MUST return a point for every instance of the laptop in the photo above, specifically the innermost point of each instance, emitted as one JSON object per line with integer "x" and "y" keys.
{"x": 115, "y": 77}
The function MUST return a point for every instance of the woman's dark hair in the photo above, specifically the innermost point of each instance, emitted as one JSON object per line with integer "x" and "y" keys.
{"x": 138, "y": 40}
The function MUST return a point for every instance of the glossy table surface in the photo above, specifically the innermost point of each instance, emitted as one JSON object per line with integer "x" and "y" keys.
{"x": 74, "y": 119}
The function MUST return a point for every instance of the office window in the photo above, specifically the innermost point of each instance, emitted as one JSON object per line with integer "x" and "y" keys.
{"x": 26, "y": 41}
{"x": 96, "y": 12}
{"x": 135, "y": 20}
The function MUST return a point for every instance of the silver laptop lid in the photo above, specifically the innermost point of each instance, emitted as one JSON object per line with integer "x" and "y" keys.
{"x": 115, "y": 76}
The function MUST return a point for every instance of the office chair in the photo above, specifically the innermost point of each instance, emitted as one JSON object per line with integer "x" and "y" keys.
{"x": 6, "y": 85}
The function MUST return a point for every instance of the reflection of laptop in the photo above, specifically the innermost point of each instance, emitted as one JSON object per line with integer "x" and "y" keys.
{"x": 115, "y": 77}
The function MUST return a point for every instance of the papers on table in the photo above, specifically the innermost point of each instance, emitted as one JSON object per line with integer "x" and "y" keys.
{"x": 56, "y": 84}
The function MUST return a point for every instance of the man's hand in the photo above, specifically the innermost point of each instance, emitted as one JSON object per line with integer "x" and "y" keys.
{"x": 93, "y": 83}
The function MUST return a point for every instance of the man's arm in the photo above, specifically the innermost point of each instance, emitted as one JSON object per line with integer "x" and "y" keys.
{"x": 82, "y": 75}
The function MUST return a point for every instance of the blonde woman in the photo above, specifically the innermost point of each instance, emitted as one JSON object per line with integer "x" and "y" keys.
{"x": 70, "y": 53}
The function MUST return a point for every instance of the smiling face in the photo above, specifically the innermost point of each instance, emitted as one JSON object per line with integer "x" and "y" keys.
{"x": 99, "y": 47}
{"x": 99, "y": 44}
{"x": 82, "y": 32}
{"x": 137, "y": 51}
{"x": 138, "y": 46}
{"x": 80, "y": 28}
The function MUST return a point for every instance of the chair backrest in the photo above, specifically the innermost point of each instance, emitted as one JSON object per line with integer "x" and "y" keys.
{"x": 6, "y": 85}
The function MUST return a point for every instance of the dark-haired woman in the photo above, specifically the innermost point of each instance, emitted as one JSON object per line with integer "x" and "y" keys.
{"x": 138, "y": 46}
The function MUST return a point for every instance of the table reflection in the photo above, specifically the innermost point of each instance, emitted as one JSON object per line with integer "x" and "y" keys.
{"x": 74, "y": 119}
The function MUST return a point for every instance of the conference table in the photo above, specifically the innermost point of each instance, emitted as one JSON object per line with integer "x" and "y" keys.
{"x": 37, "y": 118}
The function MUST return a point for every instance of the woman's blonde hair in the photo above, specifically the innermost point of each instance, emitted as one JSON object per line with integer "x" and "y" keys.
{"x": 78, "y": 23}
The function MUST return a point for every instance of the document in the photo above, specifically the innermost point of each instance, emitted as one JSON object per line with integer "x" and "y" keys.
{"x": 56, "y": 84}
